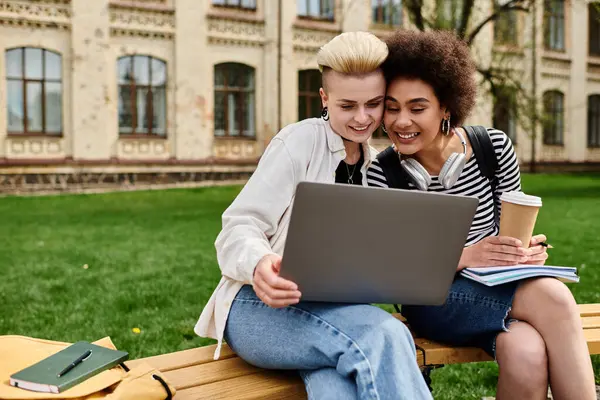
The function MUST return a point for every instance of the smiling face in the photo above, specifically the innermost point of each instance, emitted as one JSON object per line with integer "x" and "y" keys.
{"x": 355, "y": 103}
{"x": 413, "y": 115}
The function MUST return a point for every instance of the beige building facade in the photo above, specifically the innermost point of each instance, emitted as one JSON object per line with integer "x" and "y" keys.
{"x": 113, "y": 91}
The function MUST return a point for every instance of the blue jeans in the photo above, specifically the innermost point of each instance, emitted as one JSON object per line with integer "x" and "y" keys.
{"x": 473, "y": 315}
{"x": 342, "y": 351}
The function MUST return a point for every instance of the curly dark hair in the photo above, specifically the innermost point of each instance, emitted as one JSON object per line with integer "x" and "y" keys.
{"x": 440, "y": 59}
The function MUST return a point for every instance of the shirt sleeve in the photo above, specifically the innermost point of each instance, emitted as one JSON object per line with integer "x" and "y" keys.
{"x": 376, "y": 176}
{"x": 254, "y": 215}
{"x": 508, "y": 175}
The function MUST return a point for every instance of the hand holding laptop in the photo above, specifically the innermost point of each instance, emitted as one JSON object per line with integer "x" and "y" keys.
{"x": 272, "y": 289}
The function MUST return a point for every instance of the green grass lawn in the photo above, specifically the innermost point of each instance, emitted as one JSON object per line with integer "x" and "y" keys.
{"x": 151, "y": 265}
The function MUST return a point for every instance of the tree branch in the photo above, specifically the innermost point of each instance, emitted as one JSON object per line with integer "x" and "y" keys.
{"x": 512, "y": 5}
{"x": 466, "y": 12}
{"x": 415, "y": 9}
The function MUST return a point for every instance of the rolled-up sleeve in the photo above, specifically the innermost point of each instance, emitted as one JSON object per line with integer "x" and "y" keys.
{"x": 253, "y": 217}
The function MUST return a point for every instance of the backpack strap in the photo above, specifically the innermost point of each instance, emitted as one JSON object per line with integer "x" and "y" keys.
{"x": 390, "y": 164}
{"x": 483, "y": 148}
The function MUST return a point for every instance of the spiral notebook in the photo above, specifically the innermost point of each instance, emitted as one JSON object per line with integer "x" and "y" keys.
{"x": 492, "y": 276}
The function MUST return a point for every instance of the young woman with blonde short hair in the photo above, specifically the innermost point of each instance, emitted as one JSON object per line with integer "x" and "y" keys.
{"x": 342, "y": 351}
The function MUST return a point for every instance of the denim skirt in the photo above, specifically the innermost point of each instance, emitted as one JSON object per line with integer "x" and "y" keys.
{"x": 473, "y": 315}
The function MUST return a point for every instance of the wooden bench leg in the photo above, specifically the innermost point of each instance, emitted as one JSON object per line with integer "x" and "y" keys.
{"x": 426, "y": 372}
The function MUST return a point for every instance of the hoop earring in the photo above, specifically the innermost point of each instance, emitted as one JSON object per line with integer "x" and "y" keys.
{"x": 446, "y": 126}
{"x": 325, "y": 114}
{"x": 383, "y": 128}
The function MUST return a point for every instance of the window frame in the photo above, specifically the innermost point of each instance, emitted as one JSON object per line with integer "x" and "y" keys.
{"x": 240, "y": 106}
{"x": 594, "y": 22}
{"x": 593, "y": 137}
{"x": 553, "y": 130}
{"x": 42, "y": 81}
{"x": 393, "y": 8}
{"x": 306, "y": 92}
{"x": 507, "y": 99}
{"x": 559, "y": 17}
{"x": 510, "y": 19}
{"x": 238, "y": 6}
{"x": 321, "y": 16}
{"x": 133, "y": 86}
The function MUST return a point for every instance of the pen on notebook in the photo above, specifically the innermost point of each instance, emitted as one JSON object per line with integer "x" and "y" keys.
{"x": 79, "y": 360}
{"x": 546, "y": 245}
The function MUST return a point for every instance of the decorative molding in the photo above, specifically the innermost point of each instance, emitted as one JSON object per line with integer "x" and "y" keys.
{"x": 310, "y": 40}
{"x": 56, "y": 180}
{"x": 235, "y": 14}
{"x": 554, "y": 67}
{"x": 556, "y": 64}
{"x": 34, "y": 147}
{"x": 553, "y": 153}
{"x": 47, "y": 14}
{"x": 311, "y": 24}
{"x": 593, "y": 70}
{"x": 592, "y": 154}
{"x": 234, "y": 149}
{"x": 556, "y": 75}
{"x": 140, "y": 149}
{"x": 236, "y": 33}
{"x": 155, "y": 24}
{"x": 140, "y": 4}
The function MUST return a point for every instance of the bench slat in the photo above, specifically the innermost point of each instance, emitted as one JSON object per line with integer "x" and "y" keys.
{"x": 184, "y": 358}
{"x": 215, "y": 371}
{"x": 590, "y": 322}
{"x": 592, "y": 336}
{"x": 589, "y": 310}
{"x": 266, "y": 385}
{"x": 436, "y": 354}
{"x": 196, "y": 375}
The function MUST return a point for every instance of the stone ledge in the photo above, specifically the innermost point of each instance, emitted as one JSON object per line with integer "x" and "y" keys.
{"x": 70, "y": 180}
{"x": 123, "y": 188}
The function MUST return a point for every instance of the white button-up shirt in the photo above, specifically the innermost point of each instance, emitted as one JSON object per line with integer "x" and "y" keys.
{"x": 256, "y": 223}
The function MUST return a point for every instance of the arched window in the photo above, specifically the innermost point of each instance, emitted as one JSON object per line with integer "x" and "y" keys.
{"x": 554, "y": 117}
{"x": 234, "y": 100}
{"x": 34, "y": 91}
{"x": 594, "y": 121}
{"x": 309, "y": 100}
{"x": 142, "y": 95}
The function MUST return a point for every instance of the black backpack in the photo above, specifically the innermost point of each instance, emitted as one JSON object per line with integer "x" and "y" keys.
{"x": 483, "y": 149}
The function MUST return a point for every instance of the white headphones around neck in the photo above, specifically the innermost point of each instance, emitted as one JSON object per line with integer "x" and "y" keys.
{"x": 449, "y": 174}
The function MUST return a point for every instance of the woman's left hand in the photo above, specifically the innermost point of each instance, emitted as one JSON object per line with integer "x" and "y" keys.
{"x": 539, "y": 255}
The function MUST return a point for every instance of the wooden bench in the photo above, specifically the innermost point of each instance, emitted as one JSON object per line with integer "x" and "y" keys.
{"x": 196, "y": 375}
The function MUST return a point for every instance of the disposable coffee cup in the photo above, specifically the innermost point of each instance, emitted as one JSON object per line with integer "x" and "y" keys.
{"x": 518, "y": 216}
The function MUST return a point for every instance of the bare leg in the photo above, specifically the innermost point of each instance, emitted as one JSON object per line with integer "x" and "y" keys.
{"x": 521, "y": 356}
{"x": 548, "y": 305}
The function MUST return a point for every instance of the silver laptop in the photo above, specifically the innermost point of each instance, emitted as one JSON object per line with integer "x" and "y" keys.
{"x": 355, "y": 244}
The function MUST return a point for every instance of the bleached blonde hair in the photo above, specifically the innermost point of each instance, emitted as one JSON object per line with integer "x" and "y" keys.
{"x": 352, "y": 53}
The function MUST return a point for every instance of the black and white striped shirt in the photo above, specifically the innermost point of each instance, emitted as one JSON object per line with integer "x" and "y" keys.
{"x": 472, "y": 182}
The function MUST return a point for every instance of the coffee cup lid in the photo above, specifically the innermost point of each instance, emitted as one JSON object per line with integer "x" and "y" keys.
{"x": 521, "y": 199}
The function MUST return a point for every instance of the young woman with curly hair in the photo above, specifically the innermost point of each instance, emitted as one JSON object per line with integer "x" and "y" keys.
{"x": 532, "y": 328}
